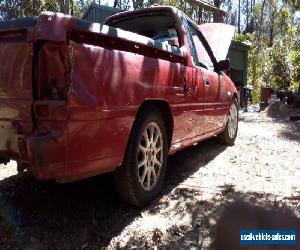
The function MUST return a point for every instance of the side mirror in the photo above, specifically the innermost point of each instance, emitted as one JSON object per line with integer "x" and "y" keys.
{"x": 222, "y": 65}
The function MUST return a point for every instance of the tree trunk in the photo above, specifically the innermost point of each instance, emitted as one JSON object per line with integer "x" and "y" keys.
{"x": 199, "y": 15}
{"x": 33, "y": 7}
{"x": 239, "y": 17}
{"x": 65, "y": 6}
{"x": 137, "y": 4}
{"x": 247, "y": 13}
{"x": 217, "y": 16}
{"x": 250, "y": 28}
{"x": 272, "y": 20}
{"x": 258, "y": 46}
{"x": 72, "y": 6}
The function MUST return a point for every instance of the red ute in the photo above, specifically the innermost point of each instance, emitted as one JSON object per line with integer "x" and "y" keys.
{"x": 79, "y": 99}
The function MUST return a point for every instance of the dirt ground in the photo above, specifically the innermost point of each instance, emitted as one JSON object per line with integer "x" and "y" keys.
{"x": 262, "y": 168}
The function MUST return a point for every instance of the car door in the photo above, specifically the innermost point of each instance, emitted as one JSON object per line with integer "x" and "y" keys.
{"x": 186, "y": 120}
{"x": 216, "y": 38}
{"x": 207, "y": 80}
{"x": 195, "y": 88}
{"x": 212, "y": 105}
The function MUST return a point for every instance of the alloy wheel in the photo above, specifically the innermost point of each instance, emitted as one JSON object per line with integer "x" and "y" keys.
{"x": 150, "y": 156}
{"x": 232, "y": 121}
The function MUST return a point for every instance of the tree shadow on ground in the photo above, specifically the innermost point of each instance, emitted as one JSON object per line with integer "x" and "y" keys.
{"x": 84, "y": 214}
{"x": 291, "y": 131}
{"x": 281, "y": 113}
{"x": 205, "y": 216}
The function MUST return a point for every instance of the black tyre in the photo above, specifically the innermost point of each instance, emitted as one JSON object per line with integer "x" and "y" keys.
{"x": 140, "y": 178}
{"x": 229, "y": 134}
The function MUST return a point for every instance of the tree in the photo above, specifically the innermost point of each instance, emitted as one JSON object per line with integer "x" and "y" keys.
{"x": 258, "y": 44}
{"x": 137, "y": 4}
{"x": 239, "y": 17}
{"x": 65, "y": 6}
{"x": 273, "y": 56}
{"x": 270, "y": 26}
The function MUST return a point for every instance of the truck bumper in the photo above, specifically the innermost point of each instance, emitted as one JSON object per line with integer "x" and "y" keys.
{"x": 66, "y": 152}
{"x": 47, "y": 155}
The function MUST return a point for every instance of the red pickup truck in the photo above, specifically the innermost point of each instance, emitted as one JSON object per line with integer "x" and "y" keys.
{"x": 78, "y": 99}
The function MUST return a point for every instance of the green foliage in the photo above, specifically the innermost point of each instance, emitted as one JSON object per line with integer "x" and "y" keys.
{"x": 255, "y": 95}
{"x": 294, "y": 3}
{"x": 273, "y": 58}
{"x": 171, "y": 3}
{"x": 246, "y": 38}
{"x": 270, "y": 27}
{"x": 280, "y": 70}
{"x": 50, "y": 5}
{"x": 295, "y": 60}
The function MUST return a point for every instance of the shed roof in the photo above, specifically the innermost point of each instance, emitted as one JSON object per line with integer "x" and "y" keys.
{"x": 100, "y": 7}
{"x": 99, "y": 12}
{"x": 240, "y": 45}
{"x": 207, "y": 6}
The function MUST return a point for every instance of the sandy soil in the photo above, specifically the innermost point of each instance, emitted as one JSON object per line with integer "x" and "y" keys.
{"x": 262, "y": 168}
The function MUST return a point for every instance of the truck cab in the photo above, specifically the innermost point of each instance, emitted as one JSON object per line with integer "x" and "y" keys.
{"x": 204, "y": 47}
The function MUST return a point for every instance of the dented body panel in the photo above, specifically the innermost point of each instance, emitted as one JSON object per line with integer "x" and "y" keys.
{"x": 71, "y": 90}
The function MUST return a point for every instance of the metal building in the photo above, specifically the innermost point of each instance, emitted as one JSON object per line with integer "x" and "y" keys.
{"x": 99, "y": 13}
{"x": 238, "y": 56}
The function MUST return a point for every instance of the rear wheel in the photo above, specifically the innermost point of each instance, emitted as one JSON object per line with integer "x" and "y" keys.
{"x": 140, "y": 178}
{"x": 229, "y": 134}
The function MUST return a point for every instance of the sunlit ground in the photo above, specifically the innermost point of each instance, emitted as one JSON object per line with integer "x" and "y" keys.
{"x": 262, "y": 167}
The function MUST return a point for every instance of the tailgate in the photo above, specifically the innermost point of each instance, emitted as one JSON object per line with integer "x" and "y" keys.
{"x": 16, "y": 62}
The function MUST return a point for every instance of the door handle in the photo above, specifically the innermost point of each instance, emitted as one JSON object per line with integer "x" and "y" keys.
{"x": 206, "y": 81}
{"x": 185, "y": 86}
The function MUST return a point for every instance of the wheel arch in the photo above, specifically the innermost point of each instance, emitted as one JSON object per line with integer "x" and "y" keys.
{"x": 235, "y": 96}
{"x": 164, "y": 107}
{"x": 126, "y": 177}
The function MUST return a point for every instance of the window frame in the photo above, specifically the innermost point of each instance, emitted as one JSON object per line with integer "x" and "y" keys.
{"x": 169, "y": 13}
{"x": 187, "y": 22}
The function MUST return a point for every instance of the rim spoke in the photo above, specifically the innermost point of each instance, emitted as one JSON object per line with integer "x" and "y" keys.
{"x": 151, "y": 134}
{"x": 142, "y": 149}
{"x": 157, "y": 150}
{"x": 145, "y": 135}
{"x": 142, "y": 179}
{"x": 148, "y": 179}
{"x": 155, "y": 140}
{"x": 153, "y": 174}
{"x": 142, "y": 163}
{"x": 156, "y": 162}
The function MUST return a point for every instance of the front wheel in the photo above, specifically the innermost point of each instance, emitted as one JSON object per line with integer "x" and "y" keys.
{"x": 140, "y": 178}
{"x": 229, "y": 134}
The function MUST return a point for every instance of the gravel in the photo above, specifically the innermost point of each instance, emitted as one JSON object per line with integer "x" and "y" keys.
{"x": 262, "y": 168}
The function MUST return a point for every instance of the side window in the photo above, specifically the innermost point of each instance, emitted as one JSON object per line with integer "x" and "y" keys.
{"x": 201, "y": 57}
